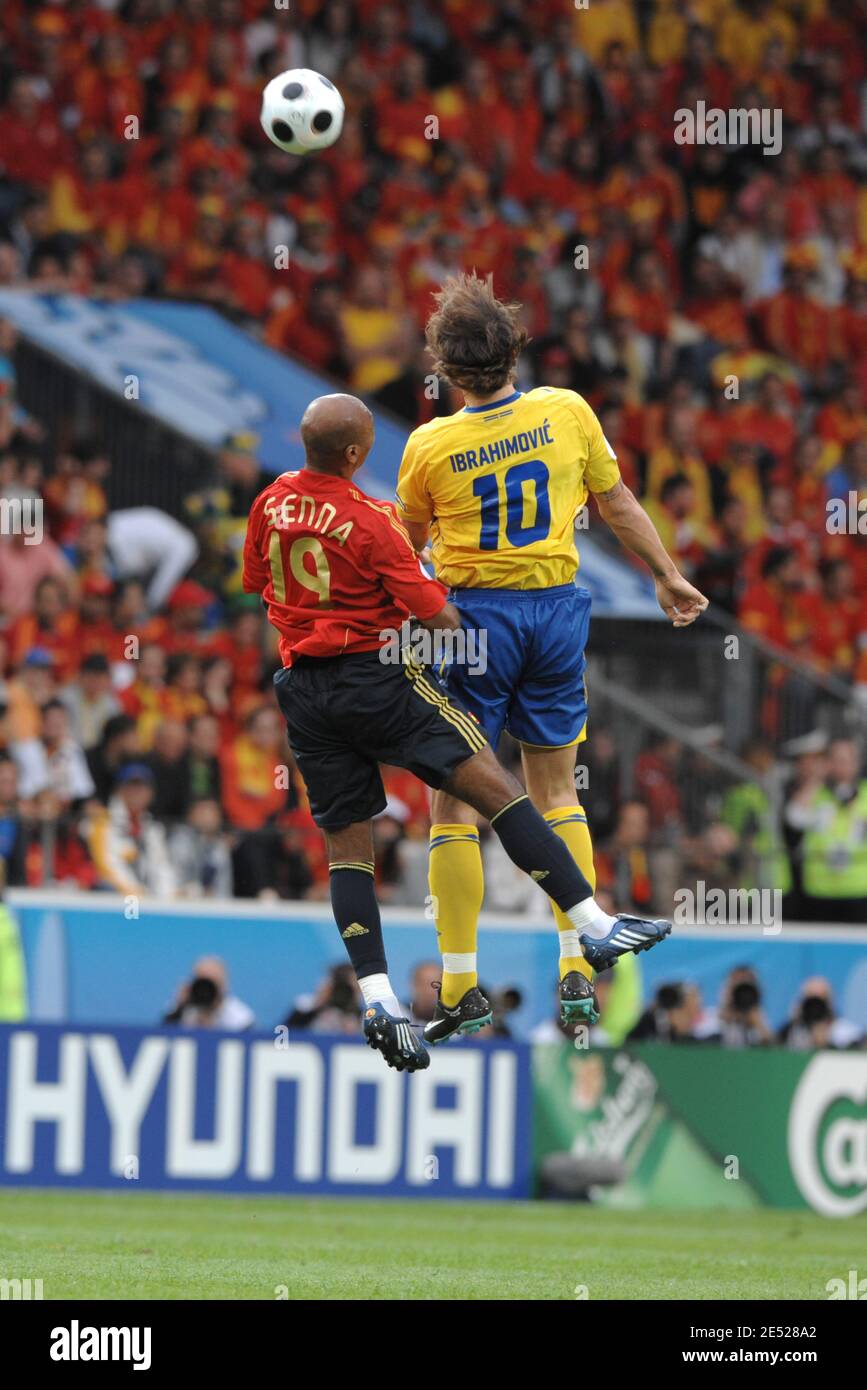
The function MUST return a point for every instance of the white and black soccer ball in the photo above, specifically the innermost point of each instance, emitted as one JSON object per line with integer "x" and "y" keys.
{"x": 302, "y": 112}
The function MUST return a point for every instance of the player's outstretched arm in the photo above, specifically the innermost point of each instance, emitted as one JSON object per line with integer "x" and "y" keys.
{"x": 622, "y": 511}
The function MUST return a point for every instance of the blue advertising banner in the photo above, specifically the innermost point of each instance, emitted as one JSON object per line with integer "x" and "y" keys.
{"x": 281, "y": 1113}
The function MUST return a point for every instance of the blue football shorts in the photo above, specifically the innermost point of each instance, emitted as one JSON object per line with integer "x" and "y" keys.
{"x": 526, "y": 668}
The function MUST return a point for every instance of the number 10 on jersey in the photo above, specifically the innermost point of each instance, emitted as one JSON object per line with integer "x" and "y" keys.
{"x": 522, "y": 482}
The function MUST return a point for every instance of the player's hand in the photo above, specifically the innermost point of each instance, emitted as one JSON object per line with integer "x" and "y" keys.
{"x": 679, "y": 601}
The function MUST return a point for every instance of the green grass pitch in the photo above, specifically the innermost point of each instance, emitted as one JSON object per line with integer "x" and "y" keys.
{"x": 147, "y": 1246}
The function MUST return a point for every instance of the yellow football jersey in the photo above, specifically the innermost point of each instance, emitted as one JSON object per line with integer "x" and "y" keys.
{"x": 501, "y": 485}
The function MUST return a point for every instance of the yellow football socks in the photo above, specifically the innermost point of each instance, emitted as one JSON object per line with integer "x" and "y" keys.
{"x": 570, "y": 823}
{"x": 457, "y": 888}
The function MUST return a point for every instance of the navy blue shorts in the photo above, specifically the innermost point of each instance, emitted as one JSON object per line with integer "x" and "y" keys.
{"x": 347, "y": 714}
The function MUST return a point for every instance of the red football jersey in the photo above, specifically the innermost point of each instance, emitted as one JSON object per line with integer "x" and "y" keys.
{"x": 335, "y": 567}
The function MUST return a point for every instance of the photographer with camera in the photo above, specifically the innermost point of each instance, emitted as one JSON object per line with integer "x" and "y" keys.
{"x": 204, "y": 1000}
{"x": 672, "y": 1017}
{"x": 814, "y": 1024}
{"x": 335, "y": 1007}
{"x": 741, "y": 1021}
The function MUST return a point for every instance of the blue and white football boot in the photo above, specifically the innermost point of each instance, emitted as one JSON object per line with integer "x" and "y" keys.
{"x": 628, "y": 934}
{"x": 395, "y": 1038}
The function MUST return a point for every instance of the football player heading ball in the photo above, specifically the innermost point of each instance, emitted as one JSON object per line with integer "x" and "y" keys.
{"x": 335, "y": 569}
{"x": 495, "y": 489}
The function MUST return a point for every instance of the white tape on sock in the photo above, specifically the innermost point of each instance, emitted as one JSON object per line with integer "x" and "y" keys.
{"x": 459, "y": 962}
{"x": 570, "y": 944}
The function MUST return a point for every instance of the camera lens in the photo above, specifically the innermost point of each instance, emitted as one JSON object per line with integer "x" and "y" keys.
{"x": 745, "y": 996}
{"x": 203, "y": 993}
{"x": 815, "y": 1010}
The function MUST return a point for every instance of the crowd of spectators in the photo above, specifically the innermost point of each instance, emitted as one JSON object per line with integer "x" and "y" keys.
{"x": 794, "y": 832}
{"x": 711, "y": 303}
{"x": 709, "y": 300}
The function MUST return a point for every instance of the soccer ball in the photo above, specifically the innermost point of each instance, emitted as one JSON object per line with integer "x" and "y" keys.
{"x": 302, "y": 112}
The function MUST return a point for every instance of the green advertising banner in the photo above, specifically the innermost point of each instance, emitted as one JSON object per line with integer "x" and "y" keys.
{"x": 691, "y": 1126}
